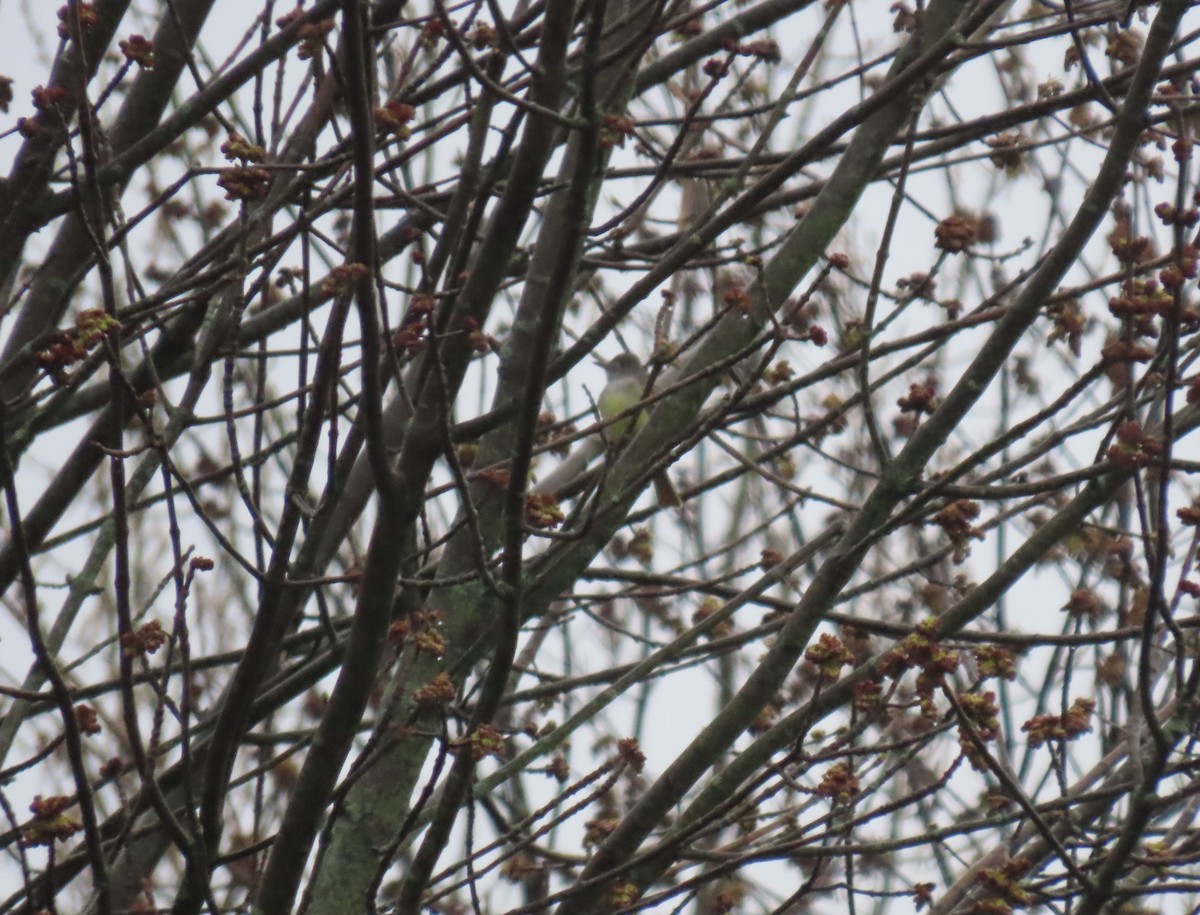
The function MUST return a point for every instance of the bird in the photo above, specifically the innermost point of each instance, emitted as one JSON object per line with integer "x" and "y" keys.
{"x": 626, "y": 386}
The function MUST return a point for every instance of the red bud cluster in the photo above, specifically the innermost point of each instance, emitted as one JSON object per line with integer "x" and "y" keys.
{"x": 1133, "y": 447}
{"x": 138, "y": 50}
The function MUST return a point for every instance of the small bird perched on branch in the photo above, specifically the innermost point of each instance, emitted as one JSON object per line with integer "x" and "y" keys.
{"x": 627, "y": 382}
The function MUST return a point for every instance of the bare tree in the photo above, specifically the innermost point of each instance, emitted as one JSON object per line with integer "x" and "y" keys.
{"x": 331, "y": 587}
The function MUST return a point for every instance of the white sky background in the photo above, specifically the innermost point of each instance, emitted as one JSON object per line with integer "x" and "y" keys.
{"x": 1033, "y": 605}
